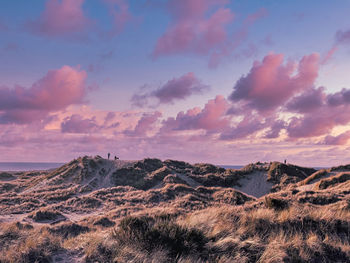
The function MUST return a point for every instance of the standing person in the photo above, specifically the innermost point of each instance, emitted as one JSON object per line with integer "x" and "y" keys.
{"x": 109, "y": 155}
{"x": 285, "y": 161}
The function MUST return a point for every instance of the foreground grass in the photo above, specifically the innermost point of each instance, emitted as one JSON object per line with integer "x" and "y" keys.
{"x": 249, "y": 233}
{"x": 23, "y": 243}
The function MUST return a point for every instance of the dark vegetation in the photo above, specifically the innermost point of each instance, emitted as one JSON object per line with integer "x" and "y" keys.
{"x": 151, "y": 234}
{"x": 46, "y": 215}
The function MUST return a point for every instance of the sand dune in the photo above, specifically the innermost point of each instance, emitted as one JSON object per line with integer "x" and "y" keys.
{"x": 91, "y": 194}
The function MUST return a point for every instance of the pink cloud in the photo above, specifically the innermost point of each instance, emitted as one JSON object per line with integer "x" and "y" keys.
{"x": 144, "y": 125}
{"x": 55, "y": 91}
{"x": 201, "y": 27}
{"x": 22, "y": 116}
{"x": 341, "y": 139}
{"x": 318, "y": 111}
{"x": 339, "y": 98}
{"x": 310, "y": 125}
{"x": 175, "y": 89}
{"x": 329, "y": 55}
{"x": 270, "y": 83}
{"x": 77, "y": 124}
{"x": 211, "y": 118}
{"x": 109, "y": 117}
{"x": 270, "y": 89}
{"x": 66, "y": 18}
{"x": 332, "y": 110}
{"x": 235, "y": 40}
{"x": 248, "y": 126}
{"x": 226, "y": 50}
{"x": 191, "y": 29}
{"x": 275, "y": 129}
{"x": 60, "y": 18}
{"x": 49, "y": 145}
{"x": 310, "y": 100}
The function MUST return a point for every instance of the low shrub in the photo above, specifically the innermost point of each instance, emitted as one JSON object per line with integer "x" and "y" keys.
{"x": 151, "y": 233}
{"x": 104, "y": 221}
{"x": 67, "y": 230}
{"x": 154, "y": 233}
{"x": 275, "y": 203}
{"x": 45, "y": 215}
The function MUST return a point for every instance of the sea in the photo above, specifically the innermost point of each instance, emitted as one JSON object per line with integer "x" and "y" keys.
{"x": 231, "y": 166}
{"x": 27, "y": 166}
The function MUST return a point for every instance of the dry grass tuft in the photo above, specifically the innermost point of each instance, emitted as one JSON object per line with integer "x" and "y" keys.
{"x": 28, "y": 245}
{"x": 330, "y": 182}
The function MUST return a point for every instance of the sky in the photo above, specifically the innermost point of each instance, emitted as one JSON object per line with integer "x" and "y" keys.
{"x": 220, "y": 81}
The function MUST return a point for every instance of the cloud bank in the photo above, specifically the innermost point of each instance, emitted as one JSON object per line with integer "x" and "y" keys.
{"x": 175, "y": 89}
{"x": 54, "y": 92}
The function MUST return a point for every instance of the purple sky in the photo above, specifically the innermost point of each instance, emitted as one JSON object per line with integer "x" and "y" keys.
{"x": 220, "y": 81}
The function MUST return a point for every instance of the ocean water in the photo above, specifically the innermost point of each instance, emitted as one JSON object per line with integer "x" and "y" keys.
{"x": 231, "y": 166}
{"x": 23, "y": 166}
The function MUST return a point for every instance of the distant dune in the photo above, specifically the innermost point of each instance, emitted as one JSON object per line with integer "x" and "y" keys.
{"x": 97, "y": 210}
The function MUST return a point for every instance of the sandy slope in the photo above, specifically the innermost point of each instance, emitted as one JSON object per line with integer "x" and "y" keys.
{"x": 255, "y": 184}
